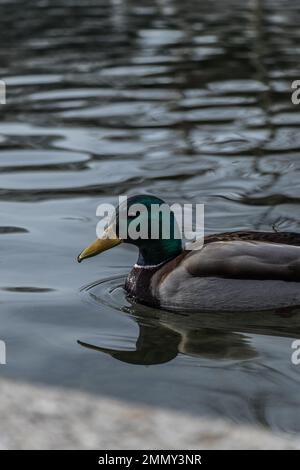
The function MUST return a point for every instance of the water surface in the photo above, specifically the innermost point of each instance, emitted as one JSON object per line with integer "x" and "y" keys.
{"x": 190, "y": 101}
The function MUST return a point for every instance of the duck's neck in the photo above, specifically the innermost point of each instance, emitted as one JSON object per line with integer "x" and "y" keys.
{"x": 156, "y": 252}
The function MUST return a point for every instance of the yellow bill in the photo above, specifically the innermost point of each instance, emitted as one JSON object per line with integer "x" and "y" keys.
{"x": 109, "y": 240}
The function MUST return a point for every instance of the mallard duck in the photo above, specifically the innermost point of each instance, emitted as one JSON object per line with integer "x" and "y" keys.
{"x": 233, "y": 271}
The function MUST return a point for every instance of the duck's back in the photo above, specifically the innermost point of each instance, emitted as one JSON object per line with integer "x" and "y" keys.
{"x": 233, "y": 271}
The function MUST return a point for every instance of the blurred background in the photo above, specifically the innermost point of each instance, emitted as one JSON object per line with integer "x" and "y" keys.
{"x": 190, "y": 101}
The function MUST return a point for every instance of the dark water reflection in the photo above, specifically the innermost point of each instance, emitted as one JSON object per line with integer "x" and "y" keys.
{"x": 187, "y": 100}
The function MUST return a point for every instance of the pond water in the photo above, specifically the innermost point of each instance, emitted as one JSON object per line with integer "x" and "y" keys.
{"x": 190, "y": 101}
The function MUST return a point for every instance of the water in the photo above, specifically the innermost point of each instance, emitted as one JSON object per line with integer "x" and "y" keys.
{"x": 190, "y": 101}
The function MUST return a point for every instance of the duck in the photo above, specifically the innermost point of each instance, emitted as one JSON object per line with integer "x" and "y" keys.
{"x": 230, "y": 271}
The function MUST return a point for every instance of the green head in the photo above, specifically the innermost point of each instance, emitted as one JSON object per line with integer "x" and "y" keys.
{"x": 145, "y": 221}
